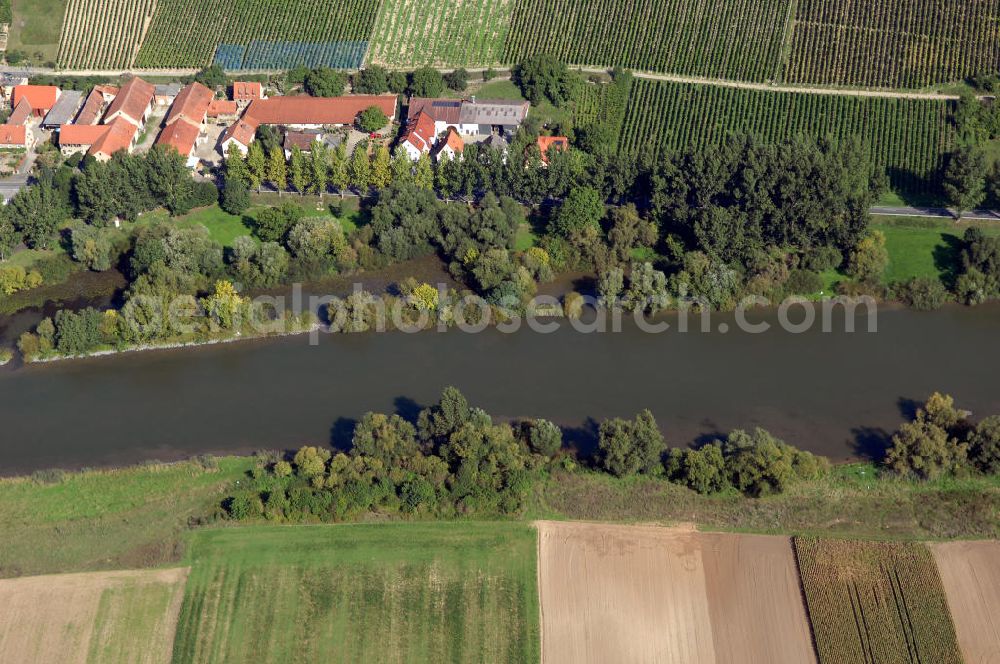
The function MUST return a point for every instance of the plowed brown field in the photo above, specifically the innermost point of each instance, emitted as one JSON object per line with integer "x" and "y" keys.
{"x": 649, "y": 594}
{"x": 970, "y": 572}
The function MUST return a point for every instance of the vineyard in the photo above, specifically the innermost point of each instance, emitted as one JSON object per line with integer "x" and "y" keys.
{"x": 735, "y": 39}
{"x": 603, "y": 103}
{"x": 288, "y": 54}
{"x": 458, "y": 33}
{"x": 906, "y": 137}
{"x": 891, "y": 43}
{"x": 876, "y": 602}
{"x": 103, "y": 33}
{"x": 186, "y": 33}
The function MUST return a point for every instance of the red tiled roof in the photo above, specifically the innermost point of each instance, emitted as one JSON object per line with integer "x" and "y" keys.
{"x": 118, "y": 137}
{"x": 41, "y": 97}
{"x": 91, "y": 111}
{"x": 306, "y": 110}
{"x": 453, "y": 140}
{"x": 440, "y": 110}
{"x": 132, "y": 100}
{"x": 21, "y": 113}
{"x": 13, "y": 135}
{"x": 191, "y": 104}
{"x": 242, "y": 132}
{"x": 106, "y": 89}
{"x": 222, "y": 107}
{"x": 81, "y": 134}
{"x": 545, "y": 142}
{"x": 420, "y": 132}
{"x": 247, "y": 91}
{"x": 181, "y": 136}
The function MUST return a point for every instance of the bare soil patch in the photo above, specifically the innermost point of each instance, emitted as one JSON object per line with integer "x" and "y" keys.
{"x": 128, "y": 616}
{"x": 970, "y": 572}
{"x": 649, "y": 594}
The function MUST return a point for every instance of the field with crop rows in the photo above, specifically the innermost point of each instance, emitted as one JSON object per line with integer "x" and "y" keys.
{"x": 185, "y": 33}
{"x": 455, "y": 33}
{"x": 876, "y": 602}
{"x": 736, "y": 39}
{"x": 434, "y": 592}
{"x": 892, "y": 43}
{"x": 103, "y": 33}
{"x": 907, "y": 137}
{"x": 603, "y": 103}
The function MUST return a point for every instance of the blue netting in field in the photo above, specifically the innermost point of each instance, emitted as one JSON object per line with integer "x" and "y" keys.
{"x": 230, "y": 56}
{"x": 288, "y": 54}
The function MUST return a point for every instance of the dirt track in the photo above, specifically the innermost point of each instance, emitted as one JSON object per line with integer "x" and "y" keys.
{"x": 970, "y": 572}
{"x": 100, "y": 616}
{"x": 649, "y": 594}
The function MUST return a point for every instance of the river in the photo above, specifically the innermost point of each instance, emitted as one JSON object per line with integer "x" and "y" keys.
{"x": 837, "y": 394}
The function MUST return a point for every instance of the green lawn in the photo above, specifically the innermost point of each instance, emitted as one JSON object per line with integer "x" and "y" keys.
{"x": 131, "y": 517}
{"x": 36, "y": 27}
{"x": 499, "y": 90}
{"x": 525, "y": 238}
{"x": 421, "y": 592}
{"x": 222, "y": 226}
{"x": 923, "y": 247}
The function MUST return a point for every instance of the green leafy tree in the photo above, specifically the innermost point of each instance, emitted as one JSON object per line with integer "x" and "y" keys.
{"x": 389, "y": 439}
{"x": 92, "y": 247}
{"x": 360, "y": 169}
{"x": 235, "y": 196}
{"x": 236, "y": 165}
{"x": 319, "y": 174}
{"x": 965, "y": 178}
{"x": 36, "y": 212}
{"x": 325, "y": 82}
{"x": 582, "y": 208}
{"x": 381, "y": 172}
{"x": 544, "y": 77}
{"x": 8, "y": 235}
{"x": 631, "y": 447}
{"x": 277, "y": 169}
{"x": 339, "y": 176}
{"x": 543, "y": 437}
{"x": 870, "y": 258}
{"x": 457, "y": 80}
{"x": 372, "y": 80}
{"x": 372, "y": 119}
{"x": 924, "y": 449}
{"x": 423, "y": 176}
{"x": 759, "y": 464}
{"x": 984, "y": 445}
{"x": 256, "y": 165}
{"x": 297, "y": 172}
{"x": 426, "y": 82}
{"x": 397, "y": 82}
{"x": 402, "y": 168}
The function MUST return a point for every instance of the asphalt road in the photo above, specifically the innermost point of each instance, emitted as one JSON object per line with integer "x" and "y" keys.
{"x": 936, "y": 213}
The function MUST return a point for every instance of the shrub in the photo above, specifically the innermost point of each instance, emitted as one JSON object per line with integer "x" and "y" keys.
{"x": 922, "y": 293}
{"x": 803, "y": 282}
{"x": 244, "y": 505}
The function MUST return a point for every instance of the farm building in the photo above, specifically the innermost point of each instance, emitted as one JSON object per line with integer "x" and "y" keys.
{"x": 22, "y": 112}
{"x": 132, "y": 103}
{"x": 14, "y": 137}
{"x": 64, "y": 111}
{"x": 183, "y": 137}
{"x": 41, "y": 98}
{"x": 99, "y": 141}
{"x": 223, "y": 109}
{"x": 245, "y": 92}
{"x": 184, "y": 121}
{"x": 302, "y": 112}
{"x": 472, "y": 117}
{"x": 79, "y": 137}
{"x": 8, "y": 81}
{"x": 97, "y": 101}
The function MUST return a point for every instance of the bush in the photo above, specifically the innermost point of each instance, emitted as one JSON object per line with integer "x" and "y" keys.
{"x": 922, "y": 293}
{"x": 244, "y": 505}
{"x": 372, "y": 119}
{"x": 803, "y": 282}
{"x": 235, "y": 196}
{"x": 457, "y": 80}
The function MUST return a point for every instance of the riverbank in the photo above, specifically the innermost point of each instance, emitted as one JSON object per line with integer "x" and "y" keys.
{"x": 136, "y": 517}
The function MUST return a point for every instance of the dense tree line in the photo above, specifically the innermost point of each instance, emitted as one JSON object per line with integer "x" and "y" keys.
{"x": 454, "y": 459}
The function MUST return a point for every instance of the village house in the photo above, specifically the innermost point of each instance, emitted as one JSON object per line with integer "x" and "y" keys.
{"x": 450, "y": 147}
{"x": 545, "y": 143}
{"x": 245, "y": 92}
{"x": 223, "y": 110}
{"x": 183, "y": 124}
{"x": 165, "y": 94}
{"x": 96, "y": 102}
{"x": 431, "y": 121}
{"x": 40, "y": 98}
{"x": 8, "y": 81}
{"x": 15, "y": 137}
{"x": 133, "y": 103}
{"x": 301, "y": 112}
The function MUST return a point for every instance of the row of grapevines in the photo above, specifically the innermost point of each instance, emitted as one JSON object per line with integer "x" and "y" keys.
{"x": 906, "y": 137}
{"x": 103, "y": 34}
{"x": 893, "y": 43}
{"x": 441, "y": 32}
{"x": 185, "y": 33}
{"x": 736, "y": 39}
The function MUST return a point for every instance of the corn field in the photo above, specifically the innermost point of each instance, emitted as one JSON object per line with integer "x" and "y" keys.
{"x": 103, "y": 34}
{"x": 185, "y": 33}
{"x": 448, "y": 33}
{"x": 876, "y": 603}
{"x": 734, "y": 39}
{"x": 906, "y": 137}
{"x": 893, "y": 43}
